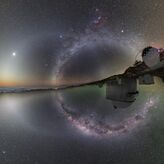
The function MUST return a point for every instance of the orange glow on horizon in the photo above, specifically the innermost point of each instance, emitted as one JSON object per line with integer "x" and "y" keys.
{"x": 24, "y": 84}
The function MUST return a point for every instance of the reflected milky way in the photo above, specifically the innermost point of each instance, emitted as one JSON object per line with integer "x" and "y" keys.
{"x": 92, "y": 125}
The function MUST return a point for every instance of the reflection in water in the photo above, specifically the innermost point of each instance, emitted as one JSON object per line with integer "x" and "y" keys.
{"x": 31, "y": 111}
{"x": 86, "y": 108}
{"x": 49, "y": 125}
{"x": 92, "y": 124}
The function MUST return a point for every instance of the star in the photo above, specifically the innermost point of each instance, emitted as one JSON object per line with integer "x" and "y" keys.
{"x": 97, "y": 9}
{"x": 14, "y": 54}
{"x": 60, "y": 36}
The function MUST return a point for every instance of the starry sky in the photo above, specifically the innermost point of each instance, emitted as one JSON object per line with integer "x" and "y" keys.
{"x": 59, "y": 42}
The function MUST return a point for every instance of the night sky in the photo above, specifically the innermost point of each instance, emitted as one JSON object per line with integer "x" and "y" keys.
{"x": 61, "y": 42}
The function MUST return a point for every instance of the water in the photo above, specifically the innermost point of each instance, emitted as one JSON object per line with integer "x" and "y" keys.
{"x": 34, "y": 129}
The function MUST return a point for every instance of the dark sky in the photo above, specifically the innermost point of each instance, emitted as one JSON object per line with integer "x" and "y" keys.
{"x": 66, "y": 41}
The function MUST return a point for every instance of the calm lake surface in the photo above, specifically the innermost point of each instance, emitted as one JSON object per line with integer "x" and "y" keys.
{"x": 34, "y": 128}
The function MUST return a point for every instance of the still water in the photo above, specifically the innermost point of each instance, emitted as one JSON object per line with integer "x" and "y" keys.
{"x": 48, "y": 127}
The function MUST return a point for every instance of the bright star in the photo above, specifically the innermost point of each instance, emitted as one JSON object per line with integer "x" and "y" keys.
{"x": 60, "y": 36}
{"x": 14, "y": 54}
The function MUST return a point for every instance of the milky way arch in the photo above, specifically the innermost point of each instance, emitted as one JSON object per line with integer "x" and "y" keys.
{"x": 90, "y": 124}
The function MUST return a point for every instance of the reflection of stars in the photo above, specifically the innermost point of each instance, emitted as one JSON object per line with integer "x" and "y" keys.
{"x": 91, "y": 125}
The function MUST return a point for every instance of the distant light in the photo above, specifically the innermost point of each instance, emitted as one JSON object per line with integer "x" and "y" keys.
{"x": 60, "y": 36}
{"x": 14, "y": 54}
{"x": 99, "y": 18}
{"x": 122, "y": 31}
{"x": 97, "y": 9}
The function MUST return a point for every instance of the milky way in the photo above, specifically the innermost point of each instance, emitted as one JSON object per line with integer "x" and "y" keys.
{"x": 76, "y": 43}
{"x": 90, "y": 124}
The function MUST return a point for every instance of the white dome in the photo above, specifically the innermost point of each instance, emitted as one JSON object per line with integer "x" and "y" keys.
{"x": 152, "y": 58}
